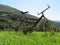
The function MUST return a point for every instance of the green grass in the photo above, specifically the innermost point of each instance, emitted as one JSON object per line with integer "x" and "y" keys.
{"x": 34, "y": 38}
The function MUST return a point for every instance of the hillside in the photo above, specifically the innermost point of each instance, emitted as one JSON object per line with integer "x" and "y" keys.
{"x": 6, "y": 8}
{"x": 9, "y": 14}
{"x": 10, "y": 18}
{"x": 57, "y": 22}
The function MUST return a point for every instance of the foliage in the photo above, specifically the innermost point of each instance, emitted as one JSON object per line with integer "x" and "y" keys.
{"x": 34, "y": 38}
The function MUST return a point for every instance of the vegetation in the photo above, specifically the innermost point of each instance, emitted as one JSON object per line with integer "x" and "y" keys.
{"x": 11, "y": 18}
{"x": 34, "y": 38}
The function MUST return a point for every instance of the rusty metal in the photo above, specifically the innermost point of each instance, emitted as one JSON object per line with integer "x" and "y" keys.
{"x": 37, "y": 20}
{"x": 40, "y": 18}
{"x": 44, "y": 10}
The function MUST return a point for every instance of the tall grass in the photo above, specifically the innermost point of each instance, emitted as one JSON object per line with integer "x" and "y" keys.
{"x": 34, "y": 38}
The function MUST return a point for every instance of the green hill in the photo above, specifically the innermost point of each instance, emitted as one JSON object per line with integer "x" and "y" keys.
{"x": 8, "y": 9}
{"x": 9, "y": 14}
{"x": 11, "y": 18}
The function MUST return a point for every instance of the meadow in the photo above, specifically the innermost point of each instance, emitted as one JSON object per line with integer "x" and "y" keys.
{"x": 34, "y": 38}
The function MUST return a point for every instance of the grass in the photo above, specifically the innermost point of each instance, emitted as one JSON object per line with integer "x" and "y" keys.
{"x": 34, "y": 38}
